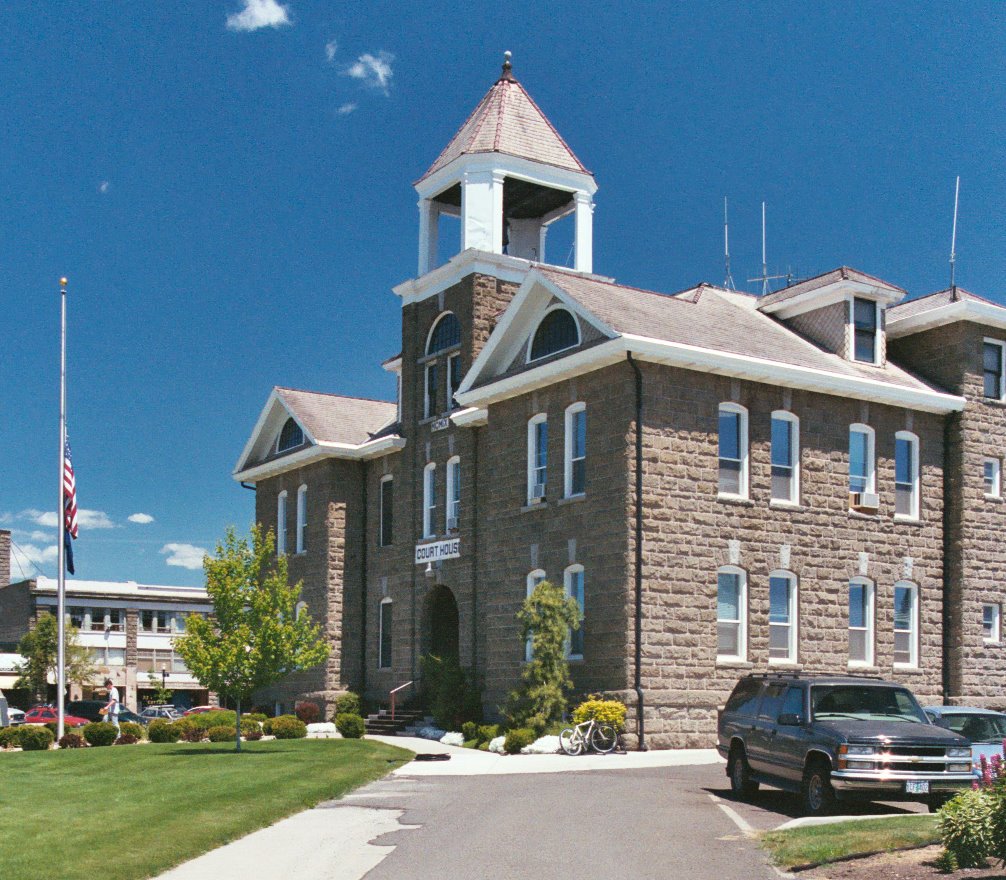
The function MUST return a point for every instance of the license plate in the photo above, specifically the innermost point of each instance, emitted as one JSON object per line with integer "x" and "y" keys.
{"x": 916, "y": 788}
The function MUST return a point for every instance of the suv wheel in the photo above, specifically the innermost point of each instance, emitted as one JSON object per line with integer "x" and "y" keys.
{"x": 817, "y": 794}
{"x": 741, "y": 783}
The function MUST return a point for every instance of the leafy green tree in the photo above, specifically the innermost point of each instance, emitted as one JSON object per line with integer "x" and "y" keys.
{"x": 40, "y": 647}
{"x": 162, "y": 694}
{"x": 546, "y": 618}
{"x": 255, "y": 636}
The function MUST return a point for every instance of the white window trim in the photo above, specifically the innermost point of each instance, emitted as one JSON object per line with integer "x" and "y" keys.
{"x": 380, "y": 635}
{"x": 430, "y": 332}
{"x": 533, "y": 579}
{"x": 871, "y": 456}
{"x": 448, "y": 392}
{"x": 301, "y": 518}
{"x": 870, "y": 628}
{"x": 878, "y": 322}
{"x": 1002, "y": 368}
{"x": 531, "y": 449}
{"x": 429, "y": 494}
{"x": 743, "y": 429}
{"x": 545, "y": 314}
{"x": 281, "y": 524}
{"x": 997, "y": 626}
{"x": 387, "y": 478}
{"x": 794, "y": 420}
{"x": 742, "y": 612}
{"x": 449, "y": 502}
{"x": 916, "y": 477}
{"x": 571, "y": 411}
{"x": 997, "y": 471}
{"x": 567, "y": 577}
{"x": 913, "y": 662}
{"x": 794, "y": 587}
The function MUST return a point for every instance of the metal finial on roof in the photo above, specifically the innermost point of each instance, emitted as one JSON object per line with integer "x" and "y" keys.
{"x": 507, "y": 66}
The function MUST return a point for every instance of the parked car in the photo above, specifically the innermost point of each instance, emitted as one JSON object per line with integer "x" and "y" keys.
{"x": 984, "y": 727}
{"x": 838, "y": 737}
{"x": 195, "y": 710}
{"x": 16, "y": 716}
{"x": 47, "y": 715}
{"x": 151, "y": 713}
{"x": 91, "y": 710}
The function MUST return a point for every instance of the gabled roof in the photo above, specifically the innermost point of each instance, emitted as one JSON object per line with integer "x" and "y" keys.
{"x": 828, "y": 279}
{"x": 941, "y": 308}
{"x": 507, "y": 120}
{"x": 334, "y": 426}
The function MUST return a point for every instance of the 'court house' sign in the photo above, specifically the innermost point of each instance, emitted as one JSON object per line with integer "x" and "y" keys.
{"x": 450, "y": 549}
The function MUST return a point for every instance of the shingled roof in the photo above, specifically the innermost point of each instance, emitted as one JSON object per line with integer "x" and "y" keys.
{"x": 934, "y": 301}
{"x": 842, "y": 273}
{"x": 507, "y": 120}
{"x": 333, "y": 418}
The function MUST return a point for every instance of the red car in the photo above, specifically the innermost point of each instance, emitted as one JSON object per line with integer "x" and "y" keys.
{"x": 196, "y": 710}
{"x": 47, "y": 715}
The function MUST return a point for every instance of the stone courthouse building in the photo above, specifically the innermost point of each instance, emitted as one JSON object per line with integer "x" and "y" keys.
{"x": 809, "y": 479}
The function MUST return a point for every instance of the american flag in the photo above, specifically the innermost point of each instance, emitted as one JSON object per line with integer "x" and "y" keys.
{"x": 69, "y": 507}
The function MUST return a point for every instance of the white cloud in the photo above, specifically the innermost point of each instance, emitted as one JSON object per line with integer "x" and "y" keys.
{"x": 141, "y": 518}
{"x": 86, "y": 519}
{"x": 259, "y": 14}
{"x": 346, "y": 108}
{"x": 331, "y": 47}
{"x": 26, "y": 559}
{"x": 184, "y": 555}
{"x": 41, "y": 537}
{"x": 103, "y": 187}
{"x": 373, "y": 70}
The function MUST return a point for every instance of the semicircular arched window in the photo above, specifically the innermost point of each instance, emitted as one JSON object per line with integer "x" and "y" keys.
{"x": 446, "y": 334}
{"x": 290, "y": 437}
{"x": 556, "y": 332}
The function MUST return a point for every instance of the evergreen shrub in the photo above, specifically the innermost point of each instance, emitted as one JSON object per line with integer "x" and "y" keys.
{"x": 221, "y": 733}
{"x": 100, "y": 733}
{"x": 350, "y": 725}
{"x": 34, "y": 739}
{"x": 162, "y": 731}
{"x": 288, "y": 727}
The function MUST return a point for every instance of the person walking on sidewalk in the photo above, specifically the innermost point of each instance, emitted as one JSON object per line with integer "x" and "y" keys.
{"x": 112, "y": 707}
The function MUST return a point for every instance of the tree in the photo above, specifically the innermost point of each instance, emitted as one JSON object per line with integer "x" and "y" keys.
{"x": 255, "y": 635}
{"x": 40, "y": 647}
{"x": 546, "y": 617}
{"x": 162, "y": 694}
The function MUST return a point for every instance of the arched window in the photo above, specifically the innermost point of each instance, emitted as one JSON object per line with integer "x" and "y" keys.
{"x": 785, "y": 457}
{"x": 429, "y": 499}
{"x": 453, "y": 493}
{"x": 281, "y": 524}
{"x": 446, "y": 333}
{"x": 533, "y": 579}
{"x": 302, "y": 519}
{"x": 573, "y": 585}
{"x": 861, "y": 605}
{"x": 731, "y": 613}
{"x": 290, "y": 437}
{"x": 906, "y": 475}
{"x": 733, "y": 450}
{"x": 384, "y": 635}
{"x": 782, "y": 620}
{"x": 556, "y": 332}
{"x": 906, "y": 624}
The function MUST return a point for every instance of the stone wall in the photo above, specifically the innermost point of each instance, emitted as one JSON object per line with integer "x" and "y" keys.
{"x": 17, "y": 613}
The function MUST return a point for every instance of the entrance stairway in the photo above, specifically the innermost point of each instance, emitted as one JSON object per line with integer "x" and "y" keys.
{"x": 382, "y": 723}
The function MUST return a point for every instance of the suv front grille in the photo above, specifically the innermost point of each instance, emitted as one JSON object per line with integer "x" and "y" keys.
{"x": 920, "y": 751}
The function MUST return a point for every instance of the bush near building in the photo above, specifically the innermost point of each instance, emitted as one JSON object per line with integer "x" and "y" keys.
{"x": 602, "y": 711}
{"x": 308, "y": 712}
{"x": 98, "y": 733}
{"x": 288, "y": 727}
{"x": 221, "y": 733}
{"x": 161, "y": 731}
{"x": 350, "y": 725}
{"x": 32, "y": 738}
{"x": 517, "y": 738}
{"x": 348, "y": 703}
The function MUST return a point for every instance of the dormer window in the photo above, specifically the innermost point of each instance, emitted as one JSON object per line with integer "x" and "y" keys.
{"x": 865, "y": 327}
{"x": 290, "y": 437}
{"x": 556, "y": 332}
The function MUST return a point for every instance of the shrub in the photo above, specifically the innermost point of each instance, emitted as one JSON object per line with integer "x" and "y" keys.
{"x": 253, "y": 716}
{"x": 453, "y": 698}
{"x": 288, "y": 727}
{"x": 470, "y": 730}
{"x": 99, "y": 733}
{"x": 966, "y": 827}
{"x": 517, "y": 738}
{"x": 126, "y": 739}
{"x": 214, "y": 718}
{"x": 132, "y": 728}
{"x": 348, "y": 704}
{"x": 350, "y": 725}
{"x": 268, "y": 723}
{"x": 192, "y": 734}
{"x": 945, "y": 862}
{"x": 221, "y": 733}
{"x": 487, "y": 732}
{"x": 161, "y": 731}
{"x": 34, "y": 739}
{"x": 603, "y": 711}
{"x": 308, "y": 712}
{"x": 249, "y": 729}
{"x": 8, "y": 737}
{"x": 72, "y": 741}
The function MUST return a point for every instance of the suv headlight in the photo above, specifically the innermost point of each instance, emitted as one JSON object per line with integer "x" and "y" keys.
{"x": 959, "y": 752}
{"x": 857, "y": 750}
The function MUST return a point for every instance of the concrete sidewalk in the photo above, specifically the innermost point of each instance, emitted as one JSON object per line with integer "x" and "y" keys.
{"x": 472, "y": 762}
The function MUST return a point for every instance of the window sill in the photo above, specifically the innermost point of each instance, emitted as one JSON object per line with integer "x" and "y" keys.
{"x": 428, "y": 539}
{"x": 991, "y": 643}
{"x": 572, "y": 499}
{"x": 733, "y": 663}
{"x": 992, "y": 401}
{"x": 857, "y": 514}
{"x": 788, "y": 665}
{"x": 741, "y": 500}
{"x": 793, "y": 506}
{"x": 863, "y": 667}
{"x": 998, "y": 499}
{"x": 541, "y": 505}
{"x": 908, "y": 520}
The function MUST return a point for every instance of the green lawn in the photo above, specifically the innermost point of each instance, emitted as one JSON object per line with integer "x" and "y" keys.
{"x": 125, "y": 813}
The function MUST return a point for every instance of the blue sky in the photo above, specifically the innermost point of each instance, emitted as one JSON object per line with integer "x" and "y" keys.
{"x": 228, "y": 187}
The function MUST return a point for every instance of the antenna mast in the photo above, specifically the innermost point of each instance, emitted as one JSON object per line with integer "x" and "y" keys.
{"x": 953, "y": 237}
{"x": 729, "y": 282}
{"x": 765, "y": 278}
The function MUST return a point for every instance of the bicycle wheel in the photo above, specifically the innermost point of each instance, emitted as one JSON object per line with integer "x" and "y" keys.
{"x": 603, "y": 738}
{"x": 570, "y": 742}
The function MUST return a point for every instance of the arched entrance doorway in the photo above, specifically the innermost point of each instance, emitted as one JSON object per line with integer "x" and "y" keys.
{"x": 441, "y": 624}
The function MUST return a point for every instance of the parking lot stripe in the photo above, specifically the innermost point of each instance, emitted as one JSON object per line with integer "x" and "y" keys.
{"x": 734, "y": 817}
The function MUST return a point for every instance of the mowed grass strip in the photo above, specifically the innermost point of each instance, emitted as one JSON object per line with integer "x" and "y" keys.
{"x": 818, "y": 844}
{"x": 131, "y": 812}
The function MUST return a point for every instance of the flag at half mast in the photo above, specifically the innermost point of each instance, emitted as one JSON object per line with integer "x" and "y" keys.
{"x": 69, "y": 507}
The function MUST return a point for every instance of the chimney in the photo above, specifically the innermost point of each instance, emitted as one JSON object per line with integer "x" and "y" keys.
{"x": 4, "y": 557}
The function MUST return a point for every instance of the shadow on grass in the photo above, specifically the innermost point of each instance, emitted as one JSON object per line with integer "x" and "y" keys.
{"x": 224, "y": 753}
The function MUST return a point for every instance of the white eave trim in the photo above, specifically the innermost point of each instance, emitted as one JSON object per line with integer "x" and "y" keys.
{"x": 987, "y": 314}
{"x": 319, "y": 452}
{"x": 472, "y": 417}
{"x": 541, "y": 173}
{"x": 829, "y": 294}
{"x": 709, "y": 361}
{"x": 274, "y": 399}
{"x": 468, "y": 262}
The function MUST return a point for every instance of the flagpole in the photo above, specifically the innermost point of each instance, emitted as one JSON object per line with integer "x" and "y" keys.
{"x": 61, "y": 516}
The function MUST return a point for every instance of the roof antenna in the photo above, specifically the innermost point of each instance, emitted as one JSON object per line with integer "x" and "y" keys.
{"x": 729, "y": 282}
{"x": 953, "y": 239}
{"x": 764, "y": 278}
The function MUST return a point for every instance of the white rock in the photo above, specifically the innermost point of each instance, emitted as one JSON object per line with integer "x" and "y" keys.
{"x": 323, "y": 730}
{"x": 430, "y": 733}
{"x": 496, "y": 744}
{"x": 453, "y": 739}
{"x": 544, "y": 745}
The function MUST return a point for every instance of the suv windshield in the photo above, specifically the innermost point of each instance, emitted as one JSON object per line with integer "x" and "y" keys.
{"x": 864, "y": 703}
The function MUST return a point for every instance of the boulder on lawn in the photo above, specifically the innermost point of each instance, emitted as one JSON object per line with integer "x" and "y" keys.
{"x": 453, "y": 739}
{"x": 323, "y": 730}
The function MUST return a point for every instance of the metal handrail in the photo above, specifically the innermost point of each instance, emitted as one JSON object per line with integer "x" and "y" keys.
{"x": 392, "y": 693}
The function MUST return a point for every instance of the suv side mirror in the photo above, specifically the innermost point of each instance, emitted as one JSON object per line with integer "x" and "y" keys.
{"x": 790, "y": 719}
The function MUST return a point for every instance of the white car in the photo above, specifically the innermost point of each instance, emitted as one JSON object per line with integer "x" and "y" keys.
{"x": 16, "y": 716}
{"x": 167, "y": 713}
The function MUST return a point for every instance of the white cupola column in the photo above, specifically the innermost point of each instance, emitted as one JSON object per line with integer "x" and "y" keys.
{"x": 429, "y": 216}
{"x": 482, "y": 211}
{"x": 584, "y": 233}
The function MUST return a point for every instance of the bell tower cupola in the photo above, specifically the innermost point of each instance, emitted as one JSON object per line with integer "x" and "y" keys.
{"x": 507, "y": 175}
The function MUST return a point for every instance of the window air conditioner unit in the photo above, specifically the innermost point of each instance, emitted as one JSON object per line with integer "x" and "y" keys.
{"x": 538, "y": 493}
{"x": 864, "y": 501}
{"x": 452, "y": 523}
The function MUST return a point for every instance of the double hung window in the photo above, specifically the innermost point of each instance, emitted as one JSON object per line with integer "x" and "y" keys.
{"x": 865, "y": 326}
{"x": 990, "y": 475}
{"x": 302, "y": 519}
{"x": 384, "y": 635}
{"x": 533, "y": 579}
{"x": 906, "y": 475}
{"x": 862, "y": 471}
{"x": 993, "y": 358}
{"x": 731, "y": 614}
{"x": 453, "y": 493}
{"x": 860, "y": 622}
{"x": 785, "y": 457}
{"x": 906, "y": 624}
{"x": 782, "y": 617}
{"x": 429, "y": 499}
{"x": 281, "y": 524}
{"x": 537, "y": 458}
{"x": 733, "y": 450}
{"x": 574, "y": 589}
{"x": 387, "y": 510}
{"x": 576, "y": 450}
{"x": 990, "y": 624}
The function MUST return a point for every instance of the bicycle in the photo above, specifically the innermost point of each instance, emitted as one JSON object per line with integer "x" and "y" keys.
{"x": 588, "y": 735}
